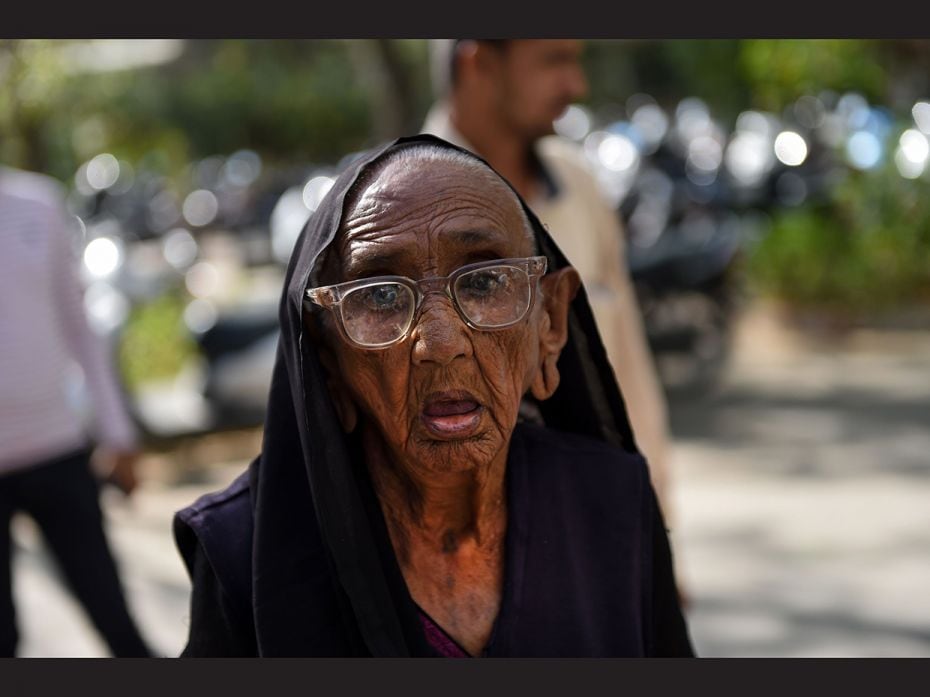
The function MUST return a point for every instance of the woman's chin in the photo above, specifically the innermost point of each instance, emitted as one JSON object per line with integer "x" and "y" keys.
{"x": 455, "y": 446}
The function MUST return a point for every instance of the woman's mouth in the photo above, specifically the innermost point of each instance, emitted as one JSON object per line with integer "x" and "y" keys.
{"x": 452, "y": 414}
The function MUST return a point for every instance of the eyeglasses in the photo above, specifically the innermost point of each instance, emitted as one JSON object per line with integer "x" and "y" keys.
{"x": 375, "y": 313}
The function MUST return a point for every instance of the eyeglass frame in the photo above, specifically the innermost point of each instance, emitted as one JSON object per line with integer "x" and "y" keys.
{"x": 331, "y": 297}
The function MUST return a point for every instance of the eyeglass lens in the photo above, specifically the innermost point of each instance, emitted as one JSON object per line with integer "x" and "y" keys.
{"x": 489, "y": 298}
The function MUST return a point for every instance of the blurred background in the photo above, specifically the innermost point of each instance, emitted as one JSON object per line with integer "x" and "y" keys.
{"x": 774, "y": 196}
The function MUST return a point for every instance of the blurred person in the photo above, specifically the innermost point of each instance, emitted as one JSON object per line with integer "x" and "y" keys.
{"x": 499, "y": 98}
{"x": 45, "y": 458}
{"x": 399, "y": 506}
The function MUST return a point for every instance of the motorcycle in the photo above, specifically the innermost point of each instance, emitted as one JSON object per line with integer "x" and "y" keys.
{"x": 692, "y": 197}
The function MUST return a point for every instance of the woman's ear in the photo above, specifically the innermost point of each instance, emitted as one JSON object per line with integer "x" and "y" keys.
{"x": 558, "y": 290}
{"x": 342, "y": 400}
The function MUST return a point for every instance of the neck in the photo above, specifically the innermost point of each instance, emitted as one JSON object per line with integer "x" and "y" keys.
{"x": 506, "y": 150}
{"x": 437, "y": 512}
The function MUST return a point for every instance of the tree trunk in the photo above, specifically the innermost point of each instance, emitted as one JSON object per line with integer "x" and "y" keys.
{"x": 389, "y": 86}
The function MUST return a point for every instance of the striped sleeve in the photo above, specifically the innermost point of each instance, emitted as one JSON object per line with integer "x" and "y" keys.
{"x": 113, "y": 426}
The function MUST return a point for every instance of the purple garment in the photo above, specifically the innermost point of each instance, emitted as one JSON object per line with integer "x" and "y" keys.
{"x": 437, "y": 638}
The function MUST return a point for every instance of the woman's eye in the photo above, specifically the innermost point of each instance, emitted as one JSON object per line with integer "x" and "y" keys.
{"x": 484, "y": 282}
{"x": 382, "y": 297}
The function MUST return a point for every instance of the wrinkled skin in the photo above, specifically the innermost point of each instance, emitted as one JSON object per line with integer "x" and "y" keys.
{"x": 442, "y": 494}
{"x": 442, "y": 353}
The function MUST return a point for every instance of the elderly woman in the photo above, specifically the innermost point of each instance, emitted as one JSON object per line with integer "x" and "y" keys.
{"x": 404, "y": 502}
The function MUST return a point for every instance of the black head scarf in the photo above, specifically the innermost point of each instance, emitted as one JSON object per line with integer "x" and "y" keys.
{"x": 307, "y": 485}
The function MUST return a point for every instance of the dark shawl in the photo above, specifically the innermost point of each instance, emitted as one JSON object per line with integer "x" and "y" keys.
{"x": 294, "y": 557}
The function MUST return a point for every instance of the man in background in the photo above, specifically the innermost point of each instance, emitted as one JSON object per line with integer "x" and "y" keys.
{"x": 499, "y": 99}
{"x": 44, "y": 452}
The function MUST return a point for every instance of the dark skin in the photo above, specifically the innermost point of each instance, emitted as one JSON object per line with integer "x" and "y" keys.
{"x": 442, "y": 494}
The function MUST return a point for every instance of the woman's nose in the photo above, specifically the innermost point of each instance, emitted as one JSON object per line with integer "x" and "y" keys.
{"x": 440, "y": 335}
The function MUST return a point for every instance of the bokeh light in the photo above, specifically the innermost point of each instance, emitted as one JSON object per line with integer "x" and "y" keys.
{"x": 652, "y": 124}
{"x": 102, "y": 171}
{"x": 242, "y": 168}
{"x": 748, "y": 157}
{"x": 180, "y": 248}
{"x": 575, "y": 123}
{"x": 200, "y": 315}
{"x": 790, "y": 148}
{"x": 854, "y": 109}
{"x": 102, "y": 256}
{"x": 200, "y": 207}
{"x": 914, "y": 146}
{"x": 912, "y": 154}
{"x": 202, "y": 280}
{"x": 692, "y": 119}
{"x": 864, "y": 150}
{"x": 908, "y": 168}
{"x": 107, "y": 308}
{"x": 705, "y": 153}
{"x": 288, "y": 217}
{"x": 921, "y": 114}
{"x": 617, "y": 153}
{"x": 315, "y": 190}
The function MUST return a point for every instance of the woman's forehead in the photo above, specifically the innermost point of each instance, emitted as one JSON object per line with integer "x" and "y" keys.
{"x": 419, "y": 184}
{"x": 431, "y": 209}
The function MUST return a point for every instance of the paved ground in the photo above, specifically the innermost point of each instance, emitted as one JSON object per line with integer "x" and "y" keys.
{"x": 802, "y": 522}
{"x": 158, "y": 589}
{"x": 804, "y": 496}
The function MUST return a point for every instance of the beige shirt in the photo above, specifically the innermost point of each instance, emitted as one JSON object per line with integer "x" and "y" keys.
{"x": 589, "y": 233}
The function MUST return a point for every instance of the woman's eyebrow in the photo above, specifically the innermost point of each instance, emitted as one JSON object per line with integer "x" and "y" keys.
{"x": 478, "y": 237}
{"x": 381, "y": 263}
{"x": 373, "y": 259}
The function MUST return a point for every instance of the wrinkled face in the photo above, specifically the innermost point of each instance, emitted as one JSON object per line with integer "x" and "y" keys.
{"x": 446, "y": 397}
{"x": 537, "y": 80}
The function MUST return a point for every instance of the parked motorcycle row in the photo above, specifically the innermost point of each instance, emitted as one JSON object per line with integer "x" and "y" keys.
{"x": 692, "y": 194}
{"x": 694, "y": 197}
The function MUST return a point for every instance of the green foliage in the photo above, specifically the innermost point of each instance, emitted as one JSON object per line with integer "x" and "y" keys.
{"x": 155, "y": 345}
{"x": 706, "y": 69}
{"x": 295, "y": 101}
{"x": 292, "y": 101}
{"x": 865, "y": 251}
{"x": 781, "y": 70}
{"x": 732, "y": 75}
{"x": 667, "y": 70}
